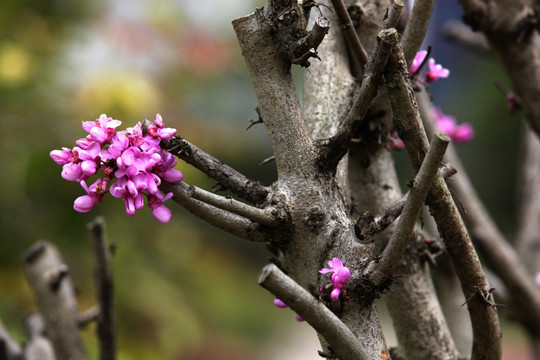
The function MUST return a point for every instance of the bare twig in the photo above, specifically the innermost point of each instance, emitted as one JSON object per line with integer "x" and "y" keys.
{"x": 368, "y": 225}
{"x": 88, "y": 316}
{"x": 463, "y": 35}
{"x": 103, "y": 277}
{"x": 55, "y": 298}
{"x": 266, "y": 217}
{"x": 224, "y": 220}
{"x": 307, "y": 47}
{"x": 334, "y": 331}
{"x": 338, "y": 145}
{"x": 378, "y": 271}
{"x": 394, "y": 13}
{"x": 416, "y": 28}
{"x": 408, "y": 124}
{"x": 231, "y": 179}
{"x": 350, "y": 32}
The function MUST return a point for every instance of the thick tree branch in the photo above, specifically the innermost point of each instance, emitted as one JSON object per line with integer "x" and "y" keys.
{"x": 475, "y": 287}
{"x": 48, "y": 277}
{"x": 224, "y": 220}
{"x": 264, "y": 37}
{"x": 267, "y": 217}
{"x": 378, "y": 271}
{"x": 338, "y": 145}
{"x": 495, "y": 249}
{"x": 226, "y": 176}
{"x": 416, "y": 28}
{"x": 104, "y": 283}
{"x": 334, "y": 331}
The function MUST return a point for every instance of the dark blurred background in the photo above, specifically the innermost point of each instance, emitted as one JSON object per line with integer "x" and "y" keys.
{"x": 183, "y": 290}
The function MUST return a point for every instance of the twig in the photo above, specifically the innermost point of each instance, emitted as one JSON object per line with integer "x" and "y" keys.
{"x": 88, "y": 316}
{"x": 367, "y": 225}
{"x": 350, "y": 32}
{"x": 231, "y": 179}
{"x": 104, "y": 282}
{"x": 307, "y": 46}
{"x": 338, "y": 145}
{"x": 224, "y": 220}
{"x": 416, "y": 28}
{"x": 378, "y": 271}
{"x": 334, "y": 331}
{"x": 9, "y": 348}
{"x": 262, "y": 216}
{"x": 393, "y": 15}
{"x": 38, "y": 347}
{"x": 463, "y": 35}
{"x": 56, "y": 303}
{"x": 407, "y": 121}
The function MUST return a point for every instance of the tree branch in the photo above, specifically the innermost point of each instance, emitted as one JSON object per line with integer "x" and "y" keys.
{"x": 416, "y": 28}
{"x": 367, "y": 225}
{"x": 393, "y": 15}
{"x": 334, "y": 331}
{"x": 266, "y": 217}
{"x": 347, "y": 26}
{"x": 9, "y": 348}
{"x": 104, "y": 282}
{"x": 338, "y": 145}
{"x": 48, "y": 278}
{"x": 226, "y": 176}
{"x": 378, "y": 271}
{"x": 475, "y": 287}
{"x": 224, "y": 220}
{"x": 264, "y": 37}
{"x": 495, "y": 249}
{"x": 39, "y": 347}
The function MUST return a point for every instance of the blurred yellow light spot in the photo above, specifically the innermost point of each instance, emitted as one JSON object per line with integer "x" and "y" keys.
{"x": 15, "y": 64}
{"x": 119, "y": 94}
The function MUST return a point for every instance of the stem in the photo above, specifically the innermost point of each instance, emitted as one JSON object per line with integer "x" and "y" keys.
{"x": 262, "y": 216}
{"x": 334, "y": 331}
{"x": 474, "y": 284}
{"x": 394, "y": 14}
{"x": 378, "y": 271}
{"x": 416, "y": 28}
{"x": 103, "y": 278}
{"x": 350, "y": 33}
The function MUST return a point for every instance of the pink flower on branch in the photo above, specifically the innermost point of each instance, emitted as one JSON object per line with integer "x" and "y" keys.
{"x": 339, "y": 275}
{"x": 135, "y": 160}
{"x": 436, "y": 71}
{"x": 460, "y": 134}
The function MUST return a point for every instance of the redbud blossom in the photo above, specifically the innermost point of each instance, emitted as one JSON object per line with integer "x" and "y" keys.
{"x": 340, "y": 275}
{"x": 435, "y": 71}
{"x": 280, "y": 304}
{"x": 447, "y": 124}
{"x": 135, "y": 160}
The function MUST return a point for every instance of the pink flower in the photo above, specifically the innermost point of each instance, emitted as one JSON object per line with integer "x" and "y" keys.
{"x": 136, "y": 161}
{"x": 418, "y": 61}
{"x": 340, "y": 275}
{"x": 395, "y": 143}
{"x": 435, "y": 72}
{"x": 447, "y": 124}
{"x": 280, "y": 304}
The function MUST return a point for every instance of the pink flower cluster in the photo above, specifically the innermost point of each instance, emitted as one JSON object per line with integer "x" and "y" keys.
{"x": 435, "y": 71}
{"x": 340, "y": 275}
{"x": 136, "y": 161}
{"x": 280, "y": 304}
{"x": 459, "y": 134}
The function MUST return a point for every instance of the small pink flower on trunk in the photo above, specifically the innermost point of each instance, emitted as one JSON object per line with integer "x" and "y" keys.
{"x": 339, "y": 275}
{"x": 447, "y": 124}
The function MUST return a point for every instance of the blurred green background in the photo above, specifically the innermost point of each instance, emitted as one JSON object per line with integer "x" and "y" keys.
{"x": 183, "y": 290}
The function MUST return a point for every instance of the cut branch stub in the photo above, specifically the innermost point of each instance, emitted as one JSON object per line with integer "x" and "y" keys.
{"x": 55, "y": 298}
{"x": 307, "y": 46}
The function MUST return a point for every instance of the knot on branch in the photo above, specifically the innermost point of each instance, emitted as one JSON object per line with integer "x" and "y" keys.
{"x": 366, "y": 290}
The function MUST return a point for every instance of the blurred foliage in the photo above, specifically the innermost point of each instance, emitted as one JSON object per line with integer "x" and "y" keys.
{"x": 183, "y": 290}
